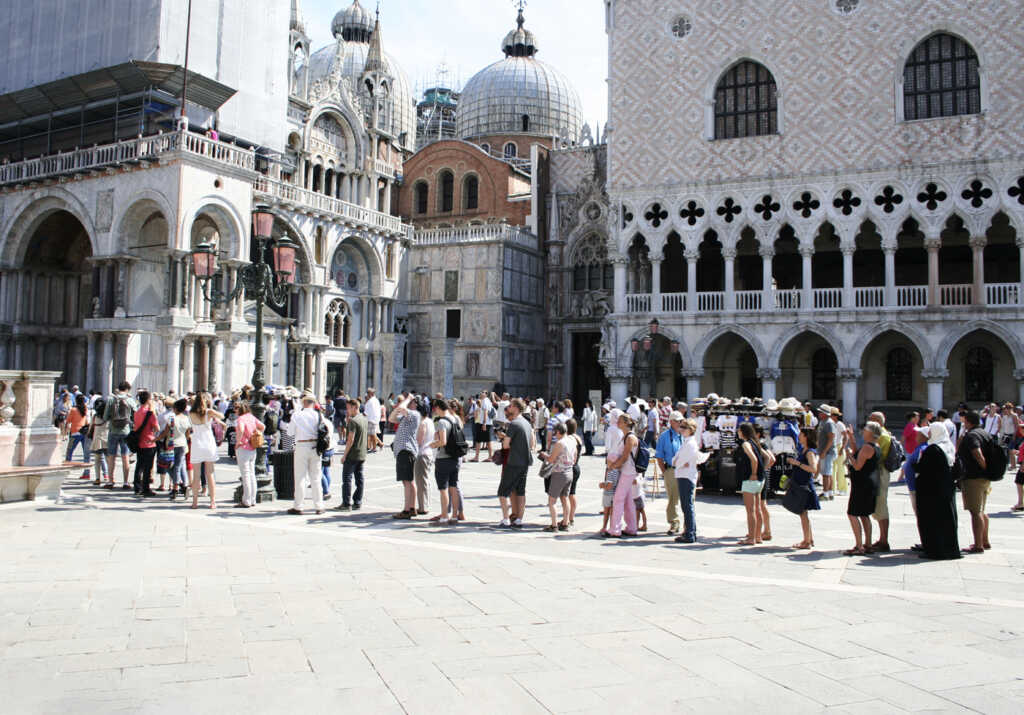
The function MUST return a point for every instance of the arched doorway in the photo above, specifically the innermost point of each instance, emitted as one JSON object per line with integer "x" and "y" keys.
{"x": 809, "y": 364}
{"x": 587, "y": 372}
{"x": 49, "y": 297}
{"x": 980, "y": 369}
{"x": 730, "y": 368}
{"x": 891, "y": 377}
{"x": 657, "y": 368}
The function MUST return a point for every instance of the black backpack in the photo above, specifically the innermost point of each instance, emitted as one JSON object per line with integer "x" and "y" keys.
{"x": 894, "y": 460}
{"x": 995, "y": 459}
{"x": 641, "y": 457}
{"x": 323, "y": 438}
{"x": 455, "y": 444}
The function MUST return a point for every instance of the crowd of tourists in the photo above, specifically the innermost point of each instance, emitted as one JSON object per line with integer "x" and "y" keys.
{"x": 801, "y": 454}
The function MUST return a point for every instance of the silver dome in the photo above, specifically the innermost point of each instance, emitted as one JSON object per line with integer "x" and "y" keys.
{"x": 496, "y": 99}
{"x": 355, "y": 19}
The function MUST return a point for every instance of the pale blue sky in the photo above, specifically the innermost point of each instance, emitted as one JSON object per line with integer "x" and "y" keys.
{"x": 468, "y": 35}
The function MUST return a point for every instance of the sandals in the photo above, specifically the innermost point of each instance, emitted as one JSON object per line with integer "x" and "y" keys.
{"x": 404, "y": 514}
{"x": 856, "y": 552}
{"x": 746, "y": 542}
{"x": 973, "y": 550}
{"x": 550, "y": 528}
{"x": 766, "y": 536}
{"x": 803, "y": 545}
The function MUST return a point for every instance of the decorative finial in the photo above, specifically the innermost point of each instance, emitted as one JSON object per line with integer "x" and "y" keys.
{"x": 520, "y": 20}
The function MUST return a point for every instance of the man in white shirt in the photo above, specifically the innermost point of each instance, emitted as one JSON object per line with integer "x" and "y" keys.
{"x": 634, "y": 409}
{"x": 303, "y": 426}
{"x": 371, "y": 409}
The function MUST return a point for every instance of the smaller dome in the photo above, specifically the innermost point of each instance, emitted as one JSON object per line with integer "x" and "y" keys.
{"x": 353, "y": 23}
{"x": 519, "y": 42}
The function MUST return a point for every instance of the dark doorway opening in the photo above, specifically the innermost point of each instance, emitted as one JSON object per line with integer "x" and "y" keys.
{"x": 587, "y": 373}
{"x": 335, "y": 377}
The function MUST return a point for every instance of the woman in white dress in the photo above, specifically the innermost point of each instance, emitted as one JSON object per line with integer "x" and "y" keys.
{"x": 204, "y": 446}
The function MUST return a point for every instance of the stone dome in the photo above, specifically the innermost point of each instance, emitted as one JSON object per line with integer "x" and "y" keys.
{"x": 519, "y": 95}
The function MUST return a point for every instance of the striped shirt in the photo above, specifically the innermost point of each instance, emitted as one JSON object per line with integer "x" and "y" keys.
{"x": 405, "y": 435}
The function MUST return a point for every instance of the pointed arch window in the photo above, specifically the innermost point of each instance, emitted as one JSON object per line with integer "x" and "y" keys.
{"x": 978, "y": 375}
{"x": 591, "y": 268}
{"x": 899, "y": 375}
{"x": 746, "y": 102}
{"x": 941, "y": 79}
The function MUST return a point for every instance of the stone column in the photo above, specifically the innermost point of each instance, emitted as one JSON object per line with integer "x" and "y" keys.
{"x": 361, "y": 387}
{"x": 188, "y": 366}
{"x": 19, "y": 353}
{"x": 619, "y": 268}
{"x": 729, "y": 257}
{"x": 44, "y": 299}
{"x": 849, "y": 378}
{"x": 619, "y": 383}
{"x": 807, "y": 291}
{"x": 308, "y": 306}
{"x": 172, "y": 376}
{"x": 217, "y": 367}
{"x": 90, "y": 363}
{"x": 936, "y": 380}
{"x": 121, "y": 290}
{"x": 5, "y": 355}
{"x": 693, "y": 378}
{"x": 691, "y": 279}
{"x": 229, "y": 345}
{"x": 19, "y": 298}
{"x": 1018, "y": 375}
{"x": 932, "y": 245}
{"x": 655, "y": 286}
{"x": 321, "y": 374}
{"x": 307, "y": 369}
{"x": 204, "y": 365}
{"x": 1020, "y": 269}
{"x": 107, "y": 364}
{"x": 767, "y": 295}
{"x": 849, "y": 300}
{"x": 890, "y": 275}
{"x": 120, "y": 357}
{"x": 769, "y": 377}
{"x": 978, "y": 255}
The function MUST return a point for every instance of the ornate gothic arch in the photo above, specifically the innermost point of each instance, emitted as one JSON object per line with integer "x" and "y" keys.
{"x": 796, "y": 331}
{"x": 856, "y": 354}
{"x": 16, "y": 235}
{"x": 700, "y": 350}
{"x": 1012, "y": 342}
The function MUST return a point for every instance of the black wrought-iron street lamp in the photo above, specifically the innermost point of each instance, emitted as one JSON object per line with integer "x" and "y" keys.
{"x": 264, "y": 284}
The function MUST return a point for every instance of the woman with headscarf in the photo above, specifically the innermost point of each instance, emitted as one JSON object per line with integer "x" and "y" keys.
{"x": 936, "y": 497}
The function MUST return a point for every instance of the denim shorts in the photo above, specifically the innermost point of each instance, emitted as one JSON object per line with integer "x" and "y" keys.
{"x": 752, "y": 486}
{"x": 116, "y": 444}
{"x": 827, "y": 461}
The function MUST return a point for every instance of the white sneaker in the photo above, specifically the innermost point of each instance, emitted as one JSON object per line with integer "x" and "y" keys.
{"x": 505, "y": 522}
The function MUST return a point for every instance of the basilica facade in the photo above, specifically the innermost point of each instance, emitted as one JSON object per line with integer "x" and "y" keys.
{"x": 831, "y": 208}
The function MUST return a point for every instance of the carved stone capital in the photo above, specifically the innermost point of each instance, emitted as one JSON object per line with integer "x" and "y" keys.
{"x": 729, "y": 253}
{"x": 849, "y": 374}
{"x": 936, "y": 375}
{"x": 692, "y": 256}
{"x": 773, "y": 374}
{"x": 1018, "y": 375}
{"x": 767, "y": 252}
{"x": 693, "y": 374}
{"x": 932, "y": 245}
{"x": 977, "y": 242}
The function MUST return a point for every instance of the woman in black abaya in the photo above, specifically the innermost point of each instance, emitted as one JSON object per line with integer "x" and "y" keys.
{"x": 936, "y": 497}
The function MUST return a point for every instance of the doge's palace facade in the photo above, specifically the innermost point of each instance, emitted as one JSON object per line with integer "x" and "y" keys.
{"x": 821, "y": 198}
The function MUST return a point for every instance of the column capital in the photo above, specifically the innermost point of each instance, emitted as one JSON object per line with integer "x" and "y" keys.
{"x": 729, "y": 253}
{"x": 978, "y": 242}
{"x": 937, "y": 375}
{"x": 766, "y": 251}
{"x": 806, "y": 251}
{"x": 692, "y": 256}
{"x": 889, "y": 249}
{"x": 932, "y": 245}
{"x": 618, "y": 259}
{"x": 847, "y": 249}
{"x": 693, "y": 373}
{"x": 1018, "y": 375}
{"x": 849, "y": 374}
{"x": 769, "y": 373}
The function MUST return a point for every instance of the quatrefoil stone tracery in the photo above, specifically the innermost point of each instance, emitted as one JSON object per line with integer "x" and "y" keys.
{"x": 977, "y": 194}
{"x": 729, "y": 210}
{"x": 691, "y": 213}
{"x": 888, "y": 200}
{"x": 768, "y": 207}
{"x": 806, "y": 205}
{"x": 931, "y": 197}
{"x": 1017, "y": 191}
{"x": 846, "y": 202}
{"x": 655, "y": 215}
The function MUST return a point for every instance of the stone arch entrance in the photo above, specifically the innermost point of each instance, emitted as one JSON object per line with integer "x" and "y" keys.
{"x": 48, "y": 296}
{"x": 730, "y": 367}
{"x": 657, "y": 368}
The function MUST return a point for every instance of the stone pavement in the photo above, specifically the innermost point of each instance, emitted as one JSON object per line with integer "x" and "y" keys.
{"x": 108, "y": 604}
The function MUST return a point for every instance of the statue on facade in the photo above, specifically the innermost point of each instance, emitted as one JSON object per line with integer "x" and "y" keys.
{"x": 606, "y": 353}
{"x": 96, "y": 307}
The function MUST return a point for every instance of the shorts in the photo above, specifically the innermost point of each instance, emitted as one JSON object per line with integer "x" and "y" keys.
{"x": 1020, "y": 478}
{"x": 559, "y": 484}
{"x": 481, "y": 433}
{"x": 882, "y": 500}
{"x": 446, "y": 473}
{"x": 513, "y": 479}
{"x": 116, "y": 444}
{"x": 638, "y": 502}
{"x": 372, "y": 427}
{"x": 976, "y": 494}
{"x": 608, "y": 496}
{"x": 405, "y": 466}
{"x": 752, "y": 486}
{"x": 826, "y": 463}
{"x": 575, "y": 479}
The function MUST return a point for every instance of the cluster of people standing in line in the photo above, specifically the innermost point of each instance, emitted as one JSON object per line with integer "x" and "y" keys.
{"x": 180, "y": 436}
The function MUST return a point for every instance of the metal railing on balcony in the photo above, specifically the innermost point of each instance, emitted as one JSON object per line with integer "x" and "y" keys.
{"x": 298, "y": 196}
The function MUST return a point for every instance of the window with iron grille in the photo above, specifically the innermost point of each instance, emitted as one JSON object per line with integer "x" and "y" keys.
{"x": 422, "y": 192}
{"x": 823, "y": 374}
{"x": 978, "y": 377}
{"x": 746, "y": 102}
{"x": 899, "y": 375}
{"x": 940, "y": 79}
{"x": 447, "y": 197}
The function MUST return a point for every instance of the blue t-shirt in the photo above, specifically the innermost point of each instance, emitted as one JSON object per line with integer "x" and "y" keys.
{"x": 668, "y": 444}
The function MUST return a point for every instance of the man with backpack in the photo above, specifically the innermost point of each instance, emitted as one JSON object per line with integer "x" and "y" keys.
{"x": 887, "y": 447}
{"x": 981, "y": 464}
{"x": 450, "y": 443}
{"x": 119, "y": 415}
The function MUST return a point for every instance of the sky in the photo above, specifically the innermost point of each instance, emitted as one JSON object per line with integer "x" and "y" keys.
{"x": 467, "y": 34}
